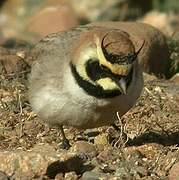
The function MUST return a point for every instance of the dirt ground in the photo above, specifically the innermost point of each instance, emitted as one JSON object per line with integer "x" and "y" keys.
{"x": 152, "y": 128}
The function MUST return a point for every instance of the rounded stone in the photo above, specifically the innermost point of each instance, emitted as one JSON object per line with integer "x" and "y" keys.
{"x": 83, "y": 147}
{"x": 174, "y": 172}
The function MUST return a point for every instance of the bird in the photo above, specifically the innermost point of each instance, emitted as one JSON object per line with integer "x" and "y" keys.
{"x": 83, "y": 76}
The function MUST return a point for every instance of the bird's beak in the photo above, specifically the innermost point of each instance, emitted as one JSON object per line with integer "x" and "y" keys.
{"x": 122, "y": 85}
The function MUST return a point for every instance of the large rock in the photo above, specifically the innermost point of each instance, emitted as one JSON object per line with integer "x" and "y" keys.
{"x": 51, "y": 19}
{"x": 167, "y": 23}
{"x": 43, "y": 159}
{"x": 23, "y": 18}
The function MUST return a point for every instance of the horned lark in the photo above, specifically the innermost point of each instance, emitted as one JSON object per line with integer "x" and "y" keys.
{"x": 83, "y": 76}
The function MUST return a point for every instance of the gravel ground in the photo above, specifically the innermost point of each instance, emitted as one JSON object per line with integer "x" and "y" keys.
{"x": 149, "y": 149}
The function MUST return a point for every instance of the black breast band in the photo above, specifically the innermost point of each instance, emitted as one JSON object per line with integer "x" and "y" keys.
{"x": 91, "y": 89}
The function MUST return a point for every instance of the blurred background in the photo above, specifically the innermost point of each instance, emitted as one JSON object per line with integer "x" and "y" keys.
{"x": 32, "y": 19}
{"x": 24, "y": 22}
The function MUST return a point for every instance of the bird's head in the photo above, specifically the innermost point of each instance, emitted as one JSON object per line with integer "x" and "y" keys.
{"x": 103, "y": 61}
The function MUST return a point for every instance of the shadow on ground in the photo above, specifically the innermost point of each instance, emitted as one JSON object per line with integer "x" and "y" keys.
{"x": 165, "y": 139}
{"x": 75, "y": 164}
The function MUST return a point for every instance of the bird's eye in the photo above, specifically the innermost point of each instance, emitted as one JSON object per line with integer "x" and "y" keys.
{"x": 131, "y": 57}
